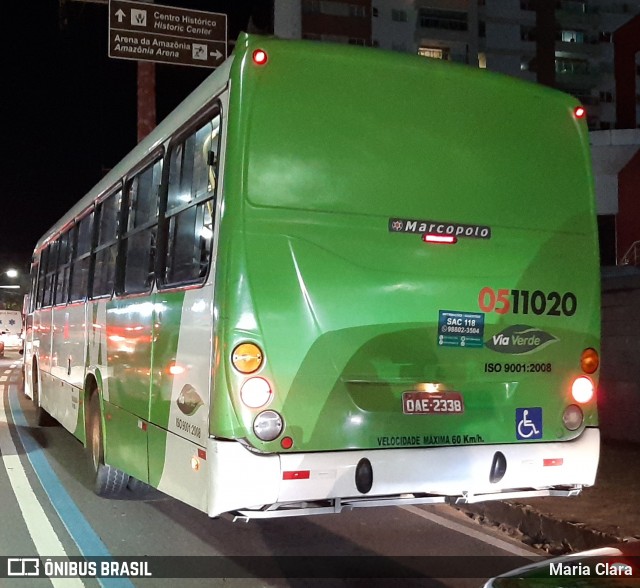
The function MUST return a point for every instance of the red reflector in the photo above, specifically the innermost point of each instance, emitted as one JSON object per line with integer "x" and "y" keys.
{"x": 555, "y": 461}
{"x": 579, "y": 112}
{"x": 297, "y": 475}
{"x": 259, "y": 57}
{"x": 448, "y": 239}
{"x": 202, "y": 454}
{"x": 286, "y": 443}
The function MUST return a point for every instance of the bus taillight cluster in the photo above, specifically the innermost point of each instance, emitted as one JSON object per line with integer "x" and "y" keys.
{"x": 257, "y": 392}
{"x": 582, "y": 389}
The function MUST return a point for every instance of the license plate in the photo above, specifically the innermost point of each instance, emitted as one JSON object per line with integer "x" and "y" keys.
{"x": 432, "y": 403}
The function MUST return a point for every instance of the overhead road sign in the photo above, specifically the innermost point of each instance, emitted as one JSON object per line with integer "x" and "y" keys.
{"x": 166, "y": 34}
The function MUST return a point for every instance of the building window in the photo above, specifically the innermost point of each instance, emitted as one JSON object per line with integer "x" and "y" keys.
{"x": 452, "y": 20}
{"x": 374, "y": 12}
{"x": 606, "y": 97}
{"x": 399, "y": 15}
{"x": 433, "y": 52}
{"x": 311, "y": 6}
{"x": 572, "y": 66}
{"x": 333, "y": 8}
{"x": 573, "y": 6}
{"x": 527, "y": 33}
{"x": 572, "y": 36}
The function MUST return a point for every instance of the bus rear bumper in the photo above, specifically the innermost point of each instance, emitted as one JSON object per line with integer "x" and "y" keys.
{"x": 264, "y": 486}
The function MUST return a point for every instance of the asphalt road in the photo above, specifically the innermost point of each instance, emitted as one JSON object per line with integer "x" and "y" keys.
{"x": 48, "y": 509}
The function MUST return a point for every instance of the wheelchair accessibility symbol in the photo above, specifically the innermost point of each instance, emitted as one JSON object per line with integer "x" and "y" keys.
{"x": 529, "y": 423}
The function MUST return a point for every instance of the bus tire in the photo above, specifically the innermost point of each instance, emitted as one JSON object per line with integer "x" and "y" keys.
{"x": 43, "y": 418}
{"x": 139, "y": 489}
{"x": 109, "y": 482}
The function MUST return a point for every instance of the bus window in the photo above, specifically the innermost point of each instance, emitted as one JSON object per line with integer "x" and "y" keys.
{"x": 82, "y": 259}
{"x": 107, "y": 246}
{"x": 42, "y": 270}
{"x": 64, "y": 258}
{"x": 190, "y": 201}
{"x": 49, "y": 282}
{"x": 140, "y": 238}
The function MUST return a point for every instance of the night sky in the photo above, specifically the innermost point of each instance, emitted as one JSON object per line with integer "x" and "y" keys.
{"x": 68, "y": 111}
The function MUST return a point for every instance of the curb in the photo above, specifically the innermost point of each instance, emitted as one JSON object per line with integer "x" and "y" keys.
{"x": 538, "y": 529}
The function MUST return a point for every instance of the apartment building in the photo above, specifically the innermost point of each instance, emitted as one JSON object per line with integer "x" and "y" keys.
{"x": 338, "y": 21}
{"x": 567, "y": 44}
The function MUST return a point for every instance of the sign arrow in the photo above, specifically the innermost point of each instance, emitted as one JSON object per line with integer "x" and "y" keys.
{"x": 217, "y": 54}
{"x": 120, "y": 14}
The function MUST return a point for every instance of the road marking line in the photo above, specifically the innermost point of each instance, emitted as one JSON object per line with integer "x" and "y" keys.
{"x": 40, "y": 529}
{"x": 499, "y": 543}
{"x": 74, "y": 521}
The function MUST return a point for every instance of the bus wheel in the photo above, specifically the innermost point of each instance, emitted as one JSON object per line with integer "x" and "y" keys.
{"x": 109, "y": 482}
{"x": 43, "y": 418}
{"x": 139, "y": 489}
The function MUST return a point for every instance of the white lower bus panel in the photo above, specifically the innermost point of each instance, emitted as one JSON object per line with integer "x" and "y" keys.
{"x": 252, "y": 485}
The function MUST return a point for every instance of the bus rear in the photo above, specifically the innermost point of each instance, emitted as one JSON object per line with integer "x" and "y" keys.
{"x": 408, "y": 298}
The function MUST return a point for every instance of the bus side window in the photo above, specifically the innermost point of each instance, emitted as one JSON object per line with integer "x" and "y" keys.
{"x": 50, "y": 277}
{"x": 64, "y": 267}
{"x": 190, "y": 206}
{"x": 104, "y": 274}
{"x": 81, "y": 259}
{"x": 42, "y": 271}
{"x": 140, "y": 239}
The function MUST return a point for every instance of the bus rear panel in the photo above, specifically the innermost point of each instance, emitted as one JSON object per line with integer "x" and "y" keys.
{"x": 411, "y": 248}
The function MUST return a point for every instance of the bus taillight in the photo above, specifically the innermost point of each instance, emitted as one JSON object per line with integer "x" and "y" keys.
{"x": 572, "y": 417}
{"x": 255, "y": 392}
{"x": 260, "y": 57}
{"x": 582, "y": 389}
{"x": 589, "y": 361}
{"x": 247, "y": 358}
{"x": 579, "y": 112}
{"x": 268, "y": 425}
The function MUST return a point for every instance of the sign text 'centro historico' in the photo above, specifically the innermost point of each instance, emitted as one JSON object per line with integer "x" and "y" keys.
{"x": 166, "y": 34}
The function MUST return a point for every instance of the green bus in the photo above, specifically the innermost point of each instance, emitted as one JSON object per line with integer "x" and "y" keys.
{"x": 333, "y": 277}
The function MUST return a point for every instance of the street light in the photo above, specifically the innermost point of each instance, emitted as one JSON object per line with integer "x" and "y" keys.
{"x": 11, "y": 273}
{"x": 12, "y": 290}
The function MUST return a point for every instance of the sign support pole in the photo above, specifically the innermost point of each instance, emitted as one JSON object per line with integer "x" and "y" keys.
{"x": 146, "y": 97}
